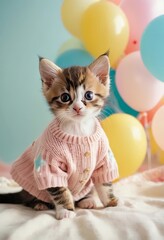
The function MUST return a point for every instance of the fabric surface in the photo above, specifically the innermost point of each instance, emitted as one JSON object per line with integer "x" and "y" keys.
{"x": 58, "y": 159}
{"x": 139, "y": 215}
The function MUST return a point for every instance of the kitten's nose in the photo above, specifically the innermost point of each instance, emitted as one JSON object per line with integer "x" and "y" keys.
{"x": 77, "y": 109}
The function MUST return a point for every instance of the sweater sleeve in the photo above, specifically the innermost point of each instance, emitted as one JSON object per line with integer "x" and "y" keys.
{"x": 50, "y": 170}
{"x": 106, "y": 170}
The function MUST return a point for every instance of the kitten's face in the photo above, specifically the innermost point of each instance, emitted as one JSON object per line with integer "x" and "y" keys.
{"x": 76, "y": 93}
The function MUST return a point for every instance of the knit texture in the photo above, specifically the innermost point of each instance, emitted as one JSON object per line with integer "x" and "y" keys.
{"x": 58, "y": 159}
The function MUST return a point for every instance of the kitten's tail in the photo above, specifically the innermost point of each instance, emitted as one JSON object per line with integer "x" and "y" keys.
{"x": 13, "y": 198}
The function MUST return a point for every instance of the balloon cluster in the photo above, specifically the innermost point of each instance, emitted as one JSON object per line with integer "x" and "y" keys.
{"x": 133, "y": 32}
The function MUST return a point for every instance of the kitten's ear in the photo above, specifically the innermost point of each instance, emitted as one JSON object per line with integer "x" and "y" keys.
{"x": 100, "y": 67}
{"x": 48, "y": 71}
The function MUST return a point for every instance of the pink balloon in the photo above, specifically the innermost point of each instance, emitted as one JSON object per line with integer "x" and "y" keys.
{"x": 138, "y": 88}
{"x": 139, "y": 13}
{"x": 158, "y": 127}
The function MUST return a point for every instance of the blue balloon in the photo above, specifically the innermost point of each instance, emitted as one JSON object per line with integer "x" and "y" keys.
{"x": 152, "y": 47}
{"x": 115, "y": 103}
{"x": 74, "y": 57}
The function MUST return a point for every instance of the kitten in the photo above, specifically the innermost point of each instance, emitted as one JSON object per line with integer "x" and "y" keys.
{"x": 72, "y": 155}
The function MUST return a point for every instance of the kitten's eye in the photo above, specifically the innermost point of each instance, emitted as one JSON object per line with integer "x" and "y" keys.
{"x": 65, "y": 97}
{"x": 88, "y": 95}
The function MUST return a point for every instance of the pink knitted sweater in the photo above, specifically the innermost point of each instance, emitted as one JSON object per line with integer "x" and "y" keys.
{"x": 59, "y": 159}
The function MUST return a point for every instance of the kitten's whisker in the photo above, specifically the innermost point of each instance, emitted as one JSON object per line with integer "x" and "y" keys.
{"x": 63, "y": 116}
{"x": 104, "y": 111}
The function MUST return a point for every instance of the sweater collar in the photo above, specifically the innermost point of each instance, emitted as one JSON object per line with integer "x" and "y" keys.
{"x": 65, "y": 137}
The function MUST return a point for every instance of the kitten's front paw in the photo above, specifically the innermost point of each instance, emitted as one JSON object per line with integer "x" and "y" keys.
{"x": 64, "y": 213}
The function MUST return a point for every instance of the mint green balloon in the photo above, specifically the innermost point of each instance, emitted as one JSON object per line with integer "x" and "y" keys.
{"x": 74, "y": 57}
{"x": 152, "y": 47}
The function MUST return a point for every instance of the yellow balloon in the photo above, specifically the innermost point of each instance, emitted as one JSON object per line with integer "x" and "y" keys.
{"x": 104, "y": 27}
{"x": 71, "y": 12}
{"x": 127, "y": 140}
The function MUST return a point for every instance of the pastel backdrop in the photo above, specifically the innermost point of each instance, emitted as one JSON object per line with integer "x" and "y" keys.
{"x": 38, "y": 27}
{"x": 27, "y": 29}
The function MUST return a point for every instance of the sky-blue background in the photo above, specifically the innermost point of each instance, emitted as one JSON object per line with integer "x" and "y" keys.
{"x": 28, "y": 28}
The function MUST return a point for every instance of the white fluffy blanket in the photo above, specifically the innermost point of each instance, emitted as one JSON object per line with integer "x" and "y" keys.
{"x": 140, "y": 215}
